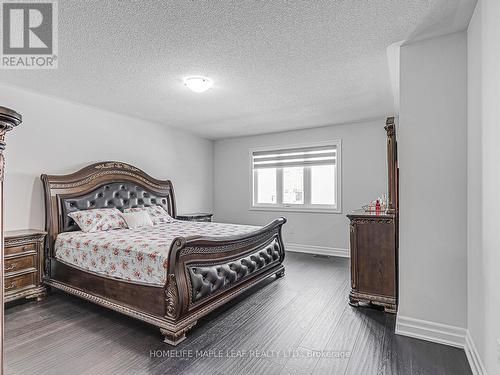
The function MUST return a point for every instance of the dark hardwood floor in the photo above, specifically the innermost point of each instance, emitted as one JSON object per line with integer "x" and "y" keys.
{"x": 299, "y": 324}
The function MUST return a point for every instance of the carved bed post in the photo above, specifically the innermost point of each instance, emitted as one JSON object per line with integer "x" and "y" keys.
{"x": 392, "y": 165}
{"x": 8, "y": 120}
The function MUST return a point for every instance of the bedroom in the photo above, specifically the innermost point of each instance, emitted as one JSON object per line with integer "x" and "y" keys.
{"x": 289, "y": 124}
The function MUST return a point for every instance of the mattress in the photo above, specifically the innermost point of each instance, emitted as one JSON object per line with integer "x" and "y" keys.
{"x": 136, "y": 255}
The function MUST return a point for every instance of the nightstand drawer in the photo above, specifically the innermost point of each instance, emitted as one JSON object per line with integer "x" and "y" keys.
{"x": 19, "y": 282}
{"x": 23, "y": 264}
{"x": 19, "y": 249}
{"x": 19, "y": 264}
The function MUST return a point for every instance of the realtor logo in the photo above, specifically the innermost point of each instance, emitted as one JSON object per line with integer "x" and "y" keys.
{"x": 29, "y": 35}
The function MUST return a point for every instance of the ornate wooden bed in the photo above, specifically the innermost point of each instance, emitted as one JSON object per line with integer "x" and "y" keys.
{"x": 239, "y": 261}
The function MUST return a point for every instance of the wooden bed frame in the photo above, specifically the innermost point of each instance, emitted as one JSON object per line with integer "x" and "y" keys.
{"x": 203, "y": 273}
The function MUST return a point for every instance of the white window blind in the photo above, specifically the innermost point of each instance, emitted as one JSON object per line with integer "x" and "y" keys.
{"x": 295, "y": 157}
{"x": 303, "y": 177}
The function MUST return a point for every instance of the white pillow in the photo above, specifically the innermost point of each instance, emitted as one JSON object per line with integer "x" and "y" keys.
{"x": 137, "y": 219}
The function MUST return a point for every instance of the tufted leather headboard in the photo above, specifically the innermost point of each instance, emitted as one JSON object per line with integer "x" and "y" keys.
{"x": 100, "y": 185}
{"x": 123, "y": 194}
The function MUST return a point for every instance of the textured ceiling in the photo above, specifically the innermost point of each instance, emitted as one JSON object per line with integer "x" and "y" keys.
{"x": 277, "y": 65}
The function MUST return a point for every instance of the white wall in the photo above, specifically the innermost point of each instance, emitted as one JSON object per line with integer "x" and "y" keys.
{"x": 364, "y": 174}
{"x": 59, "y": 136}
{"x": 484, "y": 183}
{"x": 475, "y": 279}
{"x": 433, "y": 199}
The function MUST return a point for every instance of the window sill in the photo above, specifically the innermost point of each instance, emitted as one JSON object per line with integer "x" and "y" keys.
{"x": 295, "y": 209}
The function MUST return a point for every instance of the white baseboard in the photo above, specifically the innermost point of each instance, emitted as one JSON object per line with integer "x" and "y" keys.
{"x": 475, "y": 362}
{"x": 430, "y": 331}
{"x": 442, "y": 334}
{"x": 318, "y": 250}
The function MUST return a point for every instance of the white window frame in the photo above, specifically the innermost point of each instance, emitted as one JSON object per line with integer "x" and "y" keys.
{"x": 332, "y": 209}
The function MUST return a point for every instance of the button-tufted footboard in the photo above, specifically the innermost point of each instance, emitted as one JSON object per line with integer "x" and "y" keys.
{"x": 205, "y": 273}
{"x": 209, "y": 279}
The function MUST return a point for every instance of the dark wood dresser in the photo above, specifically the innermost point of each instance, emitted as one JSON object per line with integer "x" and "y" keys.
{"x": 23, "y": 256}
{"x": 373, "y": 259}
{"x": 374, "y": 242}
{"x": 199, "y": 216}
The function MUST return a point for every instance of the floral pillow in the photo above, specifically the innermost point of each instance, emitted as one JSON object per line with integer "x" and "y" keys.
{"x": 157, "y": 213}
{"x": 100, "y": 219}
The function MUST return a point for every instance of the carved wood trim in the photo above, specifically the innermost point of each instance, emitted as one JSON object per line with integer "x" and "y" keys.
{"x": 116, "y": 165}
{"x": 175, "y": 338}
{"x": 134, "y": 313}
{"x": 389, "y": 303}
{"x": 28, "y": 293}
{"x": 113, "y": 172}
{"x": 102, "y": 276}
{"x": 392, "y": 165}
{"x": 24, "y": 240}
{"x": 172, "y": 297}
{"x": 228, "y": 247}
{"x": 352, "y": 230}
{"x": 366, "y": 220}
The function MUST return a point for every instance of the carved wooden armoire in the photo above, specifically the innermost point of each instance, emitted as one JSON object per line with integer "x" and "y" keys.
{"x": 8, "y": 120}
{"x": 374, "y": 242}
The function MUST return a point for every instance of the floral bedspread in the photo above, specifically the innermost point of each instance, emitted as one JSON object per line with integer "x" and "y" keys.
{"x": 138, "y": 255}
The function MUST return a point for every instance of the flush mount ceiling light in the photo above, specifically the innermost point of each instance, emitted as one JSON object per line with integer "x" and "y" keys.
{"x": 198, "y": 83}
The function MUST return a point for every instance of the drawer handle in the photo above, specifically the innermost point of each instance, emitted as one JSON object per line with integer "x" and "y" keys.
{"x": 11, "y": 286}
{"x": 11, "y": 267}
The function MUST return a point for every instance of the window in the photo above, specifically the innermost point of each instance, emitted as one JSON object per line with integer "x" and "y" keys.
{"x": 296, "y": 178}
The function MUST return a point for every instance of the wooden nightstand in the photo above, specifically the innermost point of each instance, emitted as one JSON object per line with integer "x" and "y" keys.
{"x": 23, "y": 268}
{"x": 195, "y": 217}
